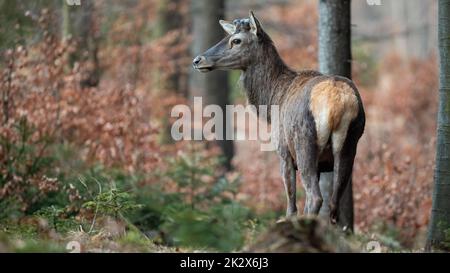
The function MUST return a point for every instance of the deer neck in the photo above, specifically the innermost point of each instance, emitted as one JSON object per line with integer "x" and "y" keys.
{"x": 267, "y": 79}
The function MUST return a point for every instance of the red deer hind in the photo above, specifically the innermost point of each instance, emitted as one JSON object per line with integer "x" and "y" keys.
{"x": 321, "y": 116}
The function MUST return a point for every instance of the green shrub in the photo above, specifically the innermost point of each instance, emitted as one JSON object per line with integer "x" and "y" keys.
{"x": 112, "y": 203}
{"x": 202, "y": 212}
{"x": 58, "y": 219}
{"x": 191, "y": 203}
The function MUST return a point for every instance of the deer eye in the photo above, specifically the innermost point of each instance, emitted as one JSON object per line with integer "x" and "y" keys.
{"x": 236, "y": 41}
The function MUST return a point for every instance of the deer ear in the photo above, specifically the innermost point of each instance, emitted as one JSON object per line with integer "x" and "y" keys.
{"x": 229, "y": 27}
{"x": 255, "y": 26}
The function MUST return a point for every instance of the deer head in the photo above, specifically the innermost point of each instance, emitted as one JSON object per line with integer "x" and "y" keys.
{"x": 236, "y": 50}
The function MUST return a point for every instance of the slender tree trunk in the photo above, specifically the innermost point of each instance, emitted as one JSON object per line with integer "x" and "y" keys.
{"x": 78, "y": 22}
{"x": 335, "y": 58}
{"x": 65, "y": 28}
{"x": 213, "y": 86}
{"x": 170, "y": 19}
{"x": 89, "y": 43}
{"x": 440, "y": 214}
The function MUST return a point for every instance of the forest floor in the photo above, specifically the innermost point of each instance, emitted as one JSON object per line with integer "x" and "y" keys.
{"x": 296, "y": 235}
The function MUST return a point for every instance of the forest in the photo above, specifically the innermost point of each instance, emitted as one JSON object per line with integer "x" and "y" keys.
{"x": 88, "y": 161}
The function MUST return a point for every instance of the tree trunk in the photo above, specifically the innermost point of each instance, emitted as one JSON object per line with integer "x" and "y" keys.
{"x": 335, "y": 58}
{"x": 65, "y": 14}
{"x": 78, "y": 22}
{"x": 89, "y": 44}
{"x": 440, "y": 214}
{"x": 213, "y": 86}
{"x": 170, "y": 19}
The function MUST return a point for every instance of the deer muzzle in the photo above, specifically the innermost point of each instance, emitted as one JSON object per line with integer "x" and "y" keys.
{"x": 201, "y": 64}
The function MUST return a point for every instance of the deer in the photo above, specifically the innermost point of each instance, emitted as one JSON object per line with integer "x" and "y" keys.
{"x": 321, "y": 117}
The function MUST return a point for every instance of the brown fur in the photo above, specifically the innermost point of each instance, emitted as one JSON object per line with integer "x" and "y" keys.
{"x": 321, "y": 116}
{"x": 337, "y": 98}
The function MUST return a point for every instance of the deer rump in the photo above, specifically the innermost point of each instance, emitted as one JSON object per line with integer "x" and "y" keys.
{"x": 326, "y": 110}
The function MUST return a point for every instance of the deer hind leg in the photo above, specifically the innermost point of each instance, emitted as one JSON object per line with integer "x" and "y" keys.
{"x": 344, "y": 151}
{"x": 289, "y": 178}
{"x": 307, "y": 162}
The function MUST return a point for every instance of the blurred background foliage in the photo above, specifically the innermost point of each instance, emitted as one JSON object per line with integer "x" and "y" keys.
{"x": 86, "y": 93}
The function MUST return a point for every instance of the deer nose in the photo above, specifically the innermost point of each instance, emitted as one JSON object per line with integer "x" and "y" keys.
{"x": 197, "y": 60}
